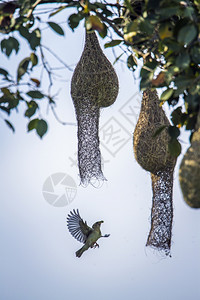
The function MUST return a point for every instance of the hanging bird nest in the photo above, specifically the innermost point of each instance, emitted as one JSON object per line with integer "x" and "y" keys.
{"x": 94, "y": 85}
{"x": 151, "y": 152}
{"x": 189, "y": 172}
{"x": 153, "y": 156}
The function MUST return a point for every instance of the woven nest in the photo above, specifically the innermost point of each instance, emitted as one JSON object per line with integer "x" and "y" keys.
{"x": 189, "y": 172}
{"x": 94, "y": 77}
{"x": 153, "y": 156}
{"x": 94, "y": 85}
{"x": 151, "y": 152}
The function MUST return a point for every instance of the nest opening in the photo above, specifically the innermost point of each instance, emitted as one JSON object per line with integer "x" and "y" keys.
{"x": 162, "y": 211}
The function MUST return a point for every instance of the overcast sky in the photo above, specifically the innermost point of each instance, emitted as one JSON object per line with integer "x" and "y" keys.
{"x": 37, "y": 253}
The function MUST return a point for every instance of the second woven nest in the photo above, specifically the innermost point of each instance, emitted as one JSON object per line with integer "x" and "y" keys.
{"x": 151, "y": 152}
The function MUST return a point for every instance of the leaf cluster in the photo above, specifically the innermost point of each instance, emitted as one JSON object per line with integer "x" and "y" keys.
{"x": 165, "y": 35}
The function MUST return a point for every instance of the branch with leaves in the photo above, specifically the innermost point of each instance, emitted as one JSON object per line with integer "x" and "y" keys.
{"x": 163, "y": 35}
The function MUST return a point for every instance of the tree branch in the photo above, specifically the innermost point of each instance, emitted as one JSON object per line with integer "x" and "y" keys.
{"x": 33, "y": 7}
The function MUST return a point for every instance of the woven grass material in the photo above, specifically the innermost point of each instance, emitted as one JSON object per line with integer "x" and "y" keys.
{"x": 94, "y": 85}
{"x": 151, "y": 152}
{"x": 162, "y": 211}
{"x": 153, "y": 156}
{"x": 189, "y": 172}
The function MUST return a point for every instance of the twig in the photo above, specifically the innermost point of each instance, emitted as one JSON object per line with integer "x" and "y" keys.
{"x": 56, "y": 117}
{"x": 32, "y": 8}
{"x": 45, "y": 65}
{"x": 57, "y": 57}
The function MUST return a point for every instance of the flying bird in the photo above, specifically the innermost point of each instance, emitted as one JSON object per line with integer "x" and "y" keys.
{"x": 83, "y": 233}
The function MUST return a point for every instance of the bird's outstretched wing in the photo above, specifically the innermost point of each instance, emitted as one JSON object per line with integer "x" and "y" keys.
{"x": 77, "y": 227}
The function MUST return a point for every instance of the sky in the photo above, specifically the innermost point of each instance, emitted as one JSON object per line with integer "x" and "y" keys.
{"x": 37, "y": 253}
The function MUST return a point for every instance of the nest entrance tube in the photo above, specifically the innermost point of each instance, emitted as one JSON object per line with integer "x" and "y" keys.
{"x": 94, "y": 85}
{"x": 89, "y": 156}
{"x": 153, "y": 156}
{"x": 162, "y": 211}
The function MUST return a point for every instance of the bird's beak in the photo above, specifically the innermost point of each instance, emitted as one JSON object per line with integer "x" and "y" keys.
{"x": 101, "y": 221}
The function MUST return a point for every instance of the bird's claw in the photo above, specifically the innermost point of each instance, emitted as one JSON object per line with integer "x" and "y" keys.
{"x": 95, "y": 245}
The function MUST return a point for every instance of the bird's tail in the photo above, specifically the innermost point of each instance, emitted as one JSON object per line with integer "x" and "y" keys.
{"x": 80, "y": 251}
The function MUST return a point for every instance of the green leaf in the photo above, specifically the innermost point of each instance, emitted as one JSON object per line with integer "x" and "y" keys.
{"x": 159, "y": 130}
{"x": 188, "y": 12}
{"x": 35, "y": 38}
{"x": 191, "y": 122}
{"x": 34, "y": 59}
{"x": 116, "y": 60}
{"x": 173, "y": 131}
{"x": 187, "y": 34}
{"x": 41, "y": 127}
{"x": 8, "y": 45}
{"x": 35, "y": 94}
{"x": 113, "y": 43}
{"x": 183, "y": 60}
{"x": 166, "y": 94}
{"x": 15, "y": 44}
{"x": 145, "y": 83}
{"x": 32, "y": 124}
{"x": 173, "y": 45}
{"x": 167, "y": 12}
{"x": 6, "y": 91}
{"x": 56, "y": 28}
{"x": 131, "y": 63}
{"x": 176, "y": 115}
{"x": 4, "y": 72}
{"x": 22, "y": 68}
{"x": 100, "y": 5}
{"x": 73, "y": 20}
{"x": 130, "y": 30}
{"x": 148, "y": 68}
{"x": 174, "y": 147}
{"x": 5, "y": 109}
{"x": 9, "y": 98}
{"x": 10, "y": 125}
{"x": 24, "y": 32}
{"x": 32, "y": 107}
{"x": 94, "y": 23}
{"x": 182, "y": 82}
{"x": 118, "y": 21}
{"x": 195, "y": 53}
{"x": 146, "y": 27}
{"x": 104, "y": 32}
{"x": 192, "y": 101}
